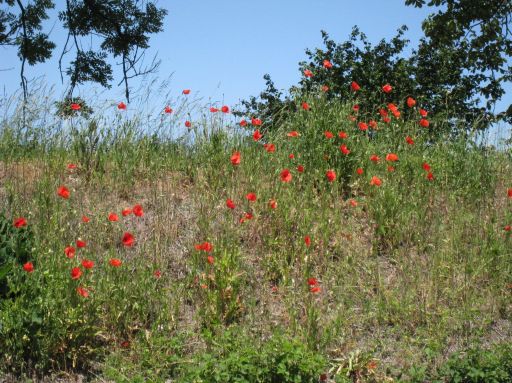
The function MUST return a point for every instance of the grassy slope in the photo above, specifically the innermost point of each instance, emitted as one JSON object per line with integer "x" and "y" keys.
{"x": 417, "y": 270}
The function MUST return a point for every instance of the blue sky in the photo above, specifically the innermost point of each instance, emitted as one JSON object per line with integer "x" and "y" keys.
{"x": 222, "y": 49}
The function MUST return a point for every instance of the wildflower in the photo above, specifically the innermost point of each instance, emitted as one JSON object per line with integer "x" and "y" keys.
{"x": 75, "y": 106}
{"x": 112, "y": 217}
{"x": 315, "y": 289}
{"x": 430, "y": 176}
{"x": 205, "y": 246}
{"x": 270, "y": 148}
{"x": 286, "y": 175}
{"x": 331, "y": 175}
{"x": 256, "y": 121}
{"x": 373, "y": 124}
{"x": 426, "y": 167}
{"x": 76, "y": 272}
{"x": 63, "y": 192}
{"x": 327, "y": 64}
{"x": 325, "y": 88}
{"x": 308, "y": 73}
{"x": 355, "y": 108}
{"x": 328, "y": 135}
{"x": 186, "y": 91}
{"x": 272, "y": 204}
{"x": 168, "y": 110}
{"x": 82, "y": 292}
{"x": 312, "y": 281}
{"x": 157, "y": 274}
{"x": 138, "y": 211}
{"x": 360, "y": 171}
{"x": 352, "y": 202}
{"x": 256, "y": 136}
{"x": 300, "y": 169}
{"x": 291, "y": 156}
{"x": 363, "y": 126}
{"x": 71, "y": 166}
{"x": 80, "y": 244}
{"x": 355, "y": 86}
{"x": 424, "y": 123}
{"x": 293, "y": 133}
{"x": 409, "y": 140}
{"x": 411, "y": 102}
{"x": 19, "y": 222}
{"x": 126, "y": 212}
{"x": 121, "y": 106}
{"x": 243, "y": 123}
{"x": 235, "y": 158}
{"x": 28, "y": 267}
{"x": 225, "y": 109}
{"x": 210, "y": 259}
{"x": 305, "y": 106}
{"x": 374, "y": 158}
{"x": 128, "y": 239}
{"x": 87, "y": 264}
{"x": 423, "y": 113}
{"x": 391, "y": 169}
{"x": 188, "y": 124}
{"x": 85, "y": 219}
{"x": 307, "y": 240}
{"x": 230, "y": 204}
{"x": 391, "y": 157}
{"x": 387, "y": 88}
{"x": 376, "y": 181}
{"x": 509, "y": 193}
{"x": 116, "y": 262}
{"x": 344, "y": 149}
{"x": 342, "y": 135}
{"x": 251, "y": 197}
{"x": 69, "y": 251}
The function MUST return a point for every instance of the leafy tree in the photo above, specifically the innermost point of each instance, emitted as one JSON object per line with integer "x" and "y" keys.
{"x": 469, "y": 43}
{"x": 121, "y": 29}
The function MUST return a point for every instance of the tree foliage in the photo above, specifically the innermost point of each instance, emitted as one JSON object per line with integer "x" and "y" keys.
{"x": 120, "y": 28}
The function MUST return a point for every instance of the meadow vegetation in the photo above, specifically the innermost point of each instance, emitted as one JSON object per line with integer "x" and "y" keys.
{"x": 336, "y": 247}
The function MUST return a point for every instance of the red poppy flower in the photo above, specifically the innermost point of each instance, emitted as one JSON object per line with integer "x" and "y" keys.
{"x": 75, "y": 106}
{"x": 19, "y": 222}
{"x": 373, "y": 124}
{"x": 251, "y": 197}
{"x": 235, "y": 158}
{"x": 308, "y": 73}
{"x": 205, "y": 246}
{"x": 360, "y": 171}
{"x": 188, "y": 124}
{"x": 286, "y": 175}
{"x": 383, "y": 112}
{"x": 230, "y": 204}
{"x": 387, "y": 88}
{"x": 85, "y": 219}
{"x": 328, "y": 135}
{"x": 423, "y": 113}
{"x": 376, "y": 181}
{"x": 213, "y": 110}
{"x": 82, "y": 292}
{"x": 411, "y": 102}
{"x": 186, "y": 91}
{"x": 70, "y": 252}
{"x": 270, "y": 148}
{"x": 80, "y": 244}
{"x": 352, "y": 202}
{"x": 315, "y": 289}
{"x": 243, "y": 123}
{"x": 327, "y": 64}
{"x": 312, "y": 281}
{"x": 391, "y": 169}
{"x": 509, "y": 193}
{"x": 157, "y": 274}
{"x": 115, "y": 262}
{"x": 424, "y": 123}
{"x": 355, "y": 108}
{"x": 325, "y": 88}
{"x": 256, "y": 121}
{"x": 374, "y": 158}
{"x": 430, "y": 176}
{"x": 355, "y": 86}
{"x": 291, "y": 156}
{"x": 409, "y": 140}
{"x": 63, "y": 192}
{"x": 342, "y": 135}
{"x": 387, "y": 120}
{"x": 121, "y": 106}
{"x": 331, "y": 175}
{"x": 113, "y": 217}
{"x": 507, "y": 228}
{"x": 256, "y": 136}
{"x": 28, "y": 267}
{"x": 344, "y": 149}
{"x": 71, "y": 166}
{"x": 168, "y": 109}
{"x": 307, "y": 240}
{"x": 293, "y": 133}
{"x": 128, "y": 239}
{"x": 225, "y": 109}
{"x": 126, "y": 212}
{"x": 272, "y": 203}
{"x": 210, "y": 259}
{"x": 426, "y": 167}
{"x": 363, "y": 126}
{"x": 138, "y": 211}
{"x": 391, "y": 157}
{"x": 76, "y": 272}
{"x": 396, "y": 113}
{"x": 87, "y": 264}
{"x": 305, "y": 106}
{"x": 392, "y": 106}
{"x": 300, "y": 169}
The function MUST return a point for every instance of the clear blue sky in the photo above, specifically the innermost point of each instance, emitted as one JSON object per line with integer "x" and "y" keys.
{"x": 222, "y": 49}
